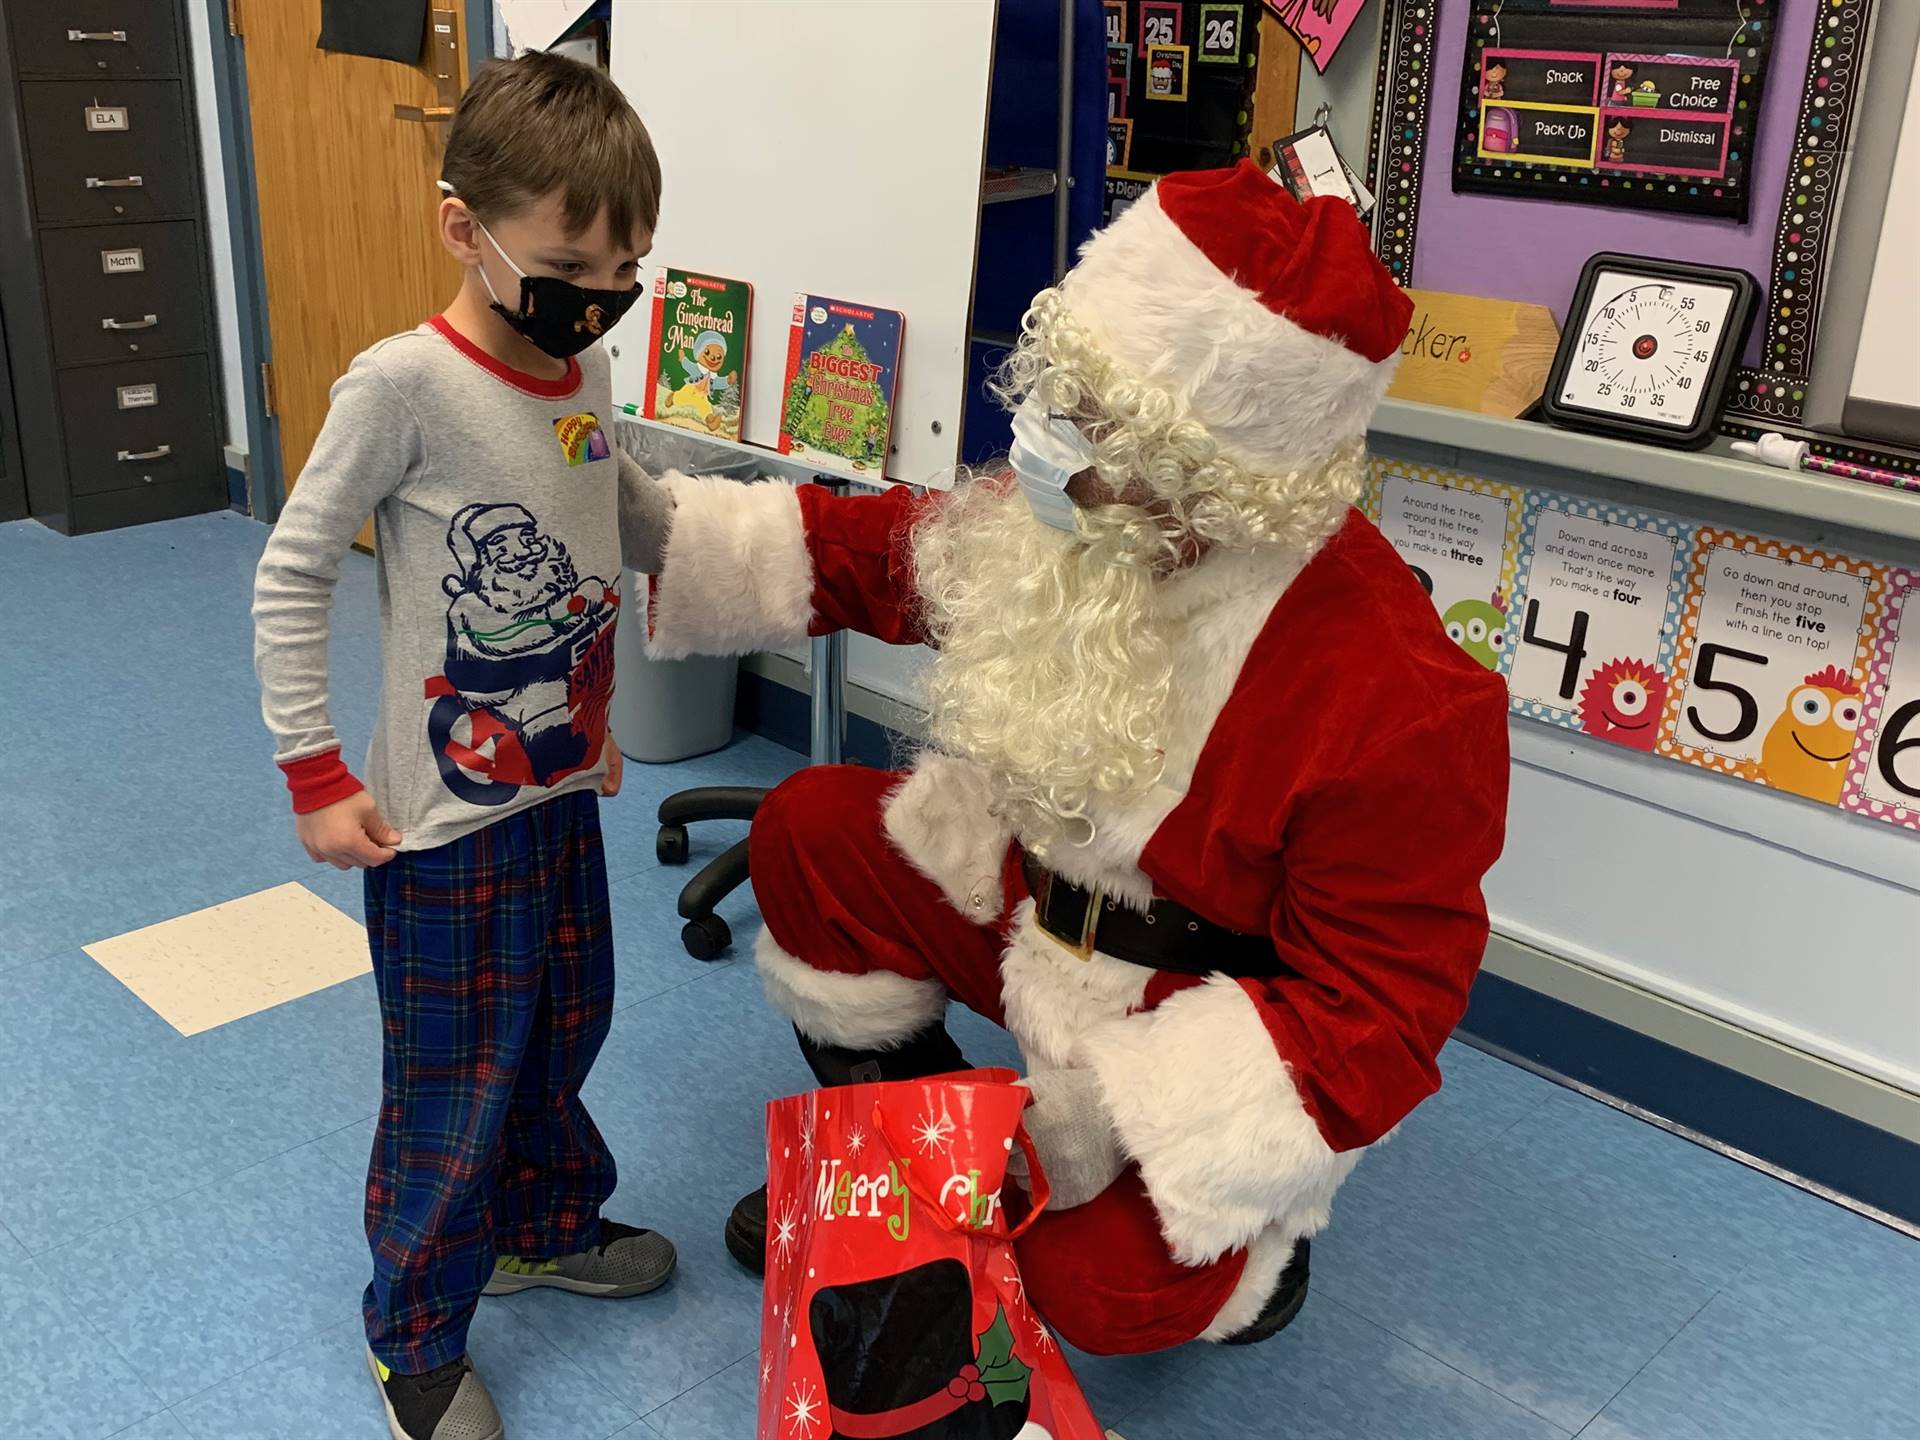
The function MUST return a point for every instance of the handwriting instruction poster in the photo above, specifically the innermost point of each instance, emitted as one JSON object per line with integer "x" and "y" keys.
{"x": 1597, "y": 616}
{"x": 1461, "y": 536}
{"x": 1884, "y": 781}
{"x": 1769, "y": 684}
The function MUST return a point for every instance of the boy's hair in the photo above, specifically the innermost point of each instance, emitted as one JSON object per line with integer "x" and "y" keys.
{"x": 541, "y": 123}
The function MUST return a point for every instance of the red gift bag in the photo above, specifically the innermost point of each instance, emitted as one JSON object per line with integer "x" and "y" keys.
{"x": 894, "y": 1308}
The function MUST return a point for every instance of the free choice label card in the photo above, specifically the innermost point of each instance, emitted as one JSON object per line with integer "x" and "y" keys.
{"x": 1598, "y": 616}
{"x": 1884, "y": 780}
{"x": 1461, "y": 535}
{"x": 1773, "y": 651}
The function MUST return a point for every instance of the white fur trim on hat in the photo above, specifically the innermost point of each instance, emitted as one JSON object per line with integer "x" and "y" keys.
{"x": 875, "y": 1011}
{"x": 941, "y": 819}
{"x": 1202, "y": 1101}
{"x": 737, "y": 576}
{"x": 1275, "y": 397}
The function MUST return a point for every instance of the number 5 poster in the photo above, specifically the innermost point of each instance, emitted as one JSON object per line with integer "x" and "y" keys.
{"x": 1772, "y": 662}
{"x": 1885, "y": 779}
{"x": 1461, "y": 536}
{"x": 1598, "y": 615}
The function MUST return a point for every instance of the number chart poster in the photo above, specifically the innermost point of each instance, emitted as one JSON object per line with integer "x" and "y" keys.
{"x": 1649, "y": 103}
{"x": 1884, "y": 780}
{"x": 1461, "y": 536}
{"x": 1598, "y": 615}
{"x": 1771, "y": 679}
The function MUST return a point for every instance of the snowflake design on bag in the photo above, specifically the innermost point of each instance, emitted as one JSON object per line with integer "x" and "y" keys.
{"x": 934, "y": 1134}
{"x": 786, "y": 1232}
{"x": 856, "y": 1140}
{"x": 803, "y": 1410}
{"x": 806, "y": 1138}
{"x": 766, "y": 1373}
{"x": 1043, "y": 1338}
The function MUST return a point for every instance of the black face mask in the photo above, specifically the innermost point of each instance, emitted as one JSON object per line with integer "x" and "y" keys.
{"x": 555, "y": 315}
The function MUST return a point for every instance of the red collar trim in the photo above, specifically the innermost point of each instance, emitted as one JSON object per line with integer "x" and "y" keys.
{"x": 520, "y": 380}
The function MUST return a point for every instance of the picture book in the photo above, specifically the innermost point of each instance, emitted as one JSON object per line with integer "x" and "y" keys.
{"x": 697, "y": 362}
{"x": 843, "y": 361}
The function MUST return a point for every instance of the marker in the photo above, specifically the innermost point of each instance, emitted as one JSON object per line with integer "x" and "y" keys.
{"x": 1775, "y": 449}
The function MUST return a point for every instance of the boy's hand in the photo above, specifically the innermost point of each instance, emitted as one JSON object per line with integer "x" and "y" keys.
{"x": 616, "y": 762}
{"x": 347, "y": 833}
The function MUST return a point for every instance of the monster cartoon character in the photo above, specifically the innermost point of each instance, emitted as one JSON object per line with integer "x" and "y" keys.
{"x": 528, "y": 673}
{"x": 1622, "y": 701}
{"x": 1808, "y": 747}
{"x": 1479, "y": 627}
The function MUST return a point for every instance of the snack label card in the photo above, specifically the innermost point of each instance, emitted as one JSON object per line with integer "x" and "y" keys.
{"x": 1884, "y": 779}
{"x": 1768, "y": 684}
{"x": 1598, "y": 617}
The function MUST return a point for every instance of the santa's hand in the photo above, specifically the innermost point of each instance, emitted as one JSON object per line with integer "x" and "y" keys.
{"x": 1072, "y": 1134}
{"x": 347, "y": 834}
{"x": 616, "y": 764}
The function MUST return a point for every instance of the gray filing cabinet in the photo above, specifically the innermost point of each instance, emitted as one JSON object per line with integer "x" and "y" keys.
{"x": 105, "y": 294}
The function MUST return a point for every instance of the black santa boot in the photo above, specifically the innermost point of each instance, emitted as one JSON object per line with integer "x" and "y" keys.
{"x": 1288, "y": 1296}
{"x": 930, "y": 1052}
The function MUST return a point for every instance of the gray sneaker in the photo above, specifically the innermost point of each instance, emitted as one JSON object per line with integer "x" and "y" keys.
{"x": 449, "y": 1402}
{"x": 625, "y": 1262}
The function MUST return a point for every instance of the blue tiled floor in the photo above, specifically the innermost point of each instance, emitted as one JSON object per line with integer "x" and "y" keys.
{"x": 180, "y": 1253}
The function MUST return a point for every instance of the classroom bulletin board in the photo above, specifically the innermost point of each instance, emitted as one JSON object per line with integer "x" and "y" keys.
{"x": 1529, "y": 246}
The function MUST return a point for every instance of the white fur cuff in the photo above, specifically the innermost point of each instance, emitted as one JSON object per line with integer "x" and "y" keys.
{"x": 1203, "y": 1102}
{"x": 737, "y": 577}
{"x": 875, "y": 1011}
{"x": 941, "y": 818}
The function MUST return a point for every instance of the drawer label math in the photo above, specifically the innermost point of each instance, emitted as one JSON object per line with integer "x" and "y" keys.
{"x": 123, "y": 262}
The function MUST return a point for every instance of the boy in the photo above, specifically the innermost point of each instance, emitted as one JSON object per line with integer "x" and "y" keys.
{"x": 503, "y": 516}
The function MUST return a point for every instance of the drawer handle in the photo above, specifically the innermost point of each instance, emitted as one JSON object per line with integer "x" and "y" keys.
{"x": 126, "y": 182}
{"x": 158, "y": 454}
{"x": 117, "y": 37}
{"x": 145, "y": 322}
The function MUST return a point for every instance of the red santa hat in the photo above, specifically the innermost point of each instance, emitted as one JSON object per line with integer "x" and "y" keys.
{"x": 1270, "y": 321}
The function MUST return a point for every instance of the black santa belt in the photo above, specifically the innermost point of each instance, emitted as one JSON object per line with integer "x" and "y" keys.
{"x": 1167, "y": 936}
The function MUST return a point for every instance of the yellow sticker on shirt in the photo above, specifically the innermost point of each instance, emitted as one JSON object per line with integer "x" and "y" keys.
{"x": 581, "y": 439}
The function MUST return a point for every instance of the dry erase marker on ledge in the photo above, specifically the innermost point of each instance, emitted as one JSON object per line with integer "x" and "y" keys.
{"x": 1775, "y": 449}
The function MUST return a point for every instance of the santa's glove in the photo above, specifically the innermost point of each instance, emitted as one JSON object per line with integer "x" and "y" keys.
{"x": 1072, "y": 1136}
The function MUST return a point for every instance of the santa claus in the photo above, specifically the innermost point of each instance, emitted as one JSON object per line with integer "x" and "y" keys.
{"x": 1208, "y": 793}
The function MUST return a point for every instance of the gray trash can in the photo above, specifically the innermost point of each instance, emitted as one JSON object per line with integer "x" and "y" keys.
{"x": 667, "y": 710}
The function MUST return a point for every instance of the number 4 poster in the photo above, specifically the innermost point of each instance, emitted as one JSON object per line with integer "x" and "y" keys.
{"x": 1598, "y": 614}
{"x": 1884, "y": 781}
{"x": 1460, "y": 535}
{"x": 1773, "y": 662}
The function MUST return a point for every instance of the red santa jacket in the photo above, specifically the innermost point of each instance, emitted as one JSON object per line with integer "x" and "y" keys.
{"x": 1343, "y": 791}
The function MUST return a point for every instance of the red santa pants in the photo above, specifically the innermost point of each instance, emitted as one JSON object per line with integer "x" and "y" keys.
{"x": 836, "y": 895}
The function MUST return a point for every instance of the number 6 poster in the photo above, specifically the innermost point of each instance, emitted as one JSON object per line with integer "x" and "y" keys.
{"x": 1461, "y": 536}
{"x": 1597, "y": 617}
{"x": 1772, "y": 662}
{"x": 1885, "y": 779}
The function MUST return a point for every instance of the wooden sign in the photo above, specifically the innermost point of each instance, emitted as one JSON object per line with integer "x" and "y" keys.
{"x": 1466, "y": 353}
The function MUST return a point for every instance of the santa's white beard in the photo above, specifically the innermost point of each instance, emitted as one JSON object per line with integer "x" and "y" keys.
{"x": 1052, "y": 665}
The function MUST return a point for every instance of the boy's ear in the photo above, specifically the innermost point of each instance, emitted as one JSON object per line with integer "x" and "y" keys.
{"x": 458, "y": 232}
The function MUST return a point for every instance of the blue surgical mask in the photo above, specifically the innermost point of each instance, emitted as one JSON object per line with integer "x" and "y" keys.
{"x": 1047, "y": 453}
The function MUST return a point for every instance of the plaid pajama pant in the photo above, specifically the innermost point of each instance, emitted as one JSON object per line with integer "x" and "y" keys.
{"x": 493, "y": 956}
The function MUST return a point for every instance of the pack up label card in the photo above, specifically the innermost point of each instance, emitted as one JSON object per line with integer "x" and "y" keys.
{"x": 1769, "y": 684}
{"x": 1884, "y": 780}
{"x": 1597, "y": 617}
{"x": 1461, "y": 536}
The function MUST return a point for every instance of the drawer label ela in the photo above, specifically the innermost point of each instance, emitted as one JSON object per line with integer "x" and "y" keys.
{"x": 138, "y": 397}
{"x": 107, "y": 117}
{"x": 123, "y": 262}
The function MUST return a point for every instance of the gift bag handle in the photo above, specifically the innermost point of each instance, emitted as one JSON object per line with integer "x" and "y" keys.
{"x": 1040, "y": 1193}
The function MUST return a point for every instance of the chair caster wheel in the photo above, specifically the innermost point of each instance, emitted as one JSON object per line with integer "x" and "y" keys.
{"x": 706, "y": 937}
{"x": 671, "y": 846}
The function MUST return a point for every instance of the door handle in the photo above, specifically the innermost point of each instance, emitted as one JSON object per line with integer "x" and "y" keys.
{"x": 117, "y": 37}
{"x": 145, "y": 322}
{"x": 126, "y": 182}
{"x": 159, "y": 453}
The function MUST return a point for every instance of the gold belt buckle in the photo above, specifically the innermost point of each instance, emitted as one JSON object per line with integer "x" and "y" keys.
{"x": 1082, "y": 948}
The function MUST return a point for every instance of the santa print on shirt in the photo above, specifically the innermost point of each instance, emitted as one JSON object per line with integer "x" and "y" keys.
{"x": 523, "y": 697}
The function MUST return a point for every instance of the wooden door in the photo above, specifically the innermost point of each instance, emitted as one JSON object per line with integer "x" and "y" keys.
{"x": 347, "y": 204}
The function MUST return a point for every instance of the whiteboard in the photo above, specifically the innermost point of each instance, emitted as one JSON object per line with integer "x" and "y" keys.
{"x": 835, "y": 147}
{"x": 1883, "y": 366}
